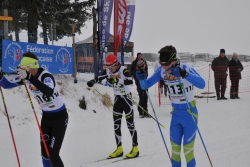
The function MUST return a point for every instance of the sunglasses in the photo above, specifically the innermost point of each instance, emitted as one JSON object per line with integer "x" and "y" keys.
{"x": 165, "y": 63}
{"x": 112, "y": 66}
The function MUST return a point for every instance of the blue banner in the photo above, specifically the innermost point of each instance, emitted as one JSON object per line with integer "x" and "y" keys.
{"x": 105, "y": 8}
{"x": 56, "y": 59}
{"x": 129, "y": 25}
{"x": 129, "y": 21}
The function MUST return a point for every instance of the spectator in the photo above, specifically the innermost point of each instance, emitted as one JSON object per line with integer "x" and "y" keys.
{"x": 219, "y": 66}
{"x": 235, "y": 68}
{"x": 143, "y": 98}
{"x": 163, "y": 86}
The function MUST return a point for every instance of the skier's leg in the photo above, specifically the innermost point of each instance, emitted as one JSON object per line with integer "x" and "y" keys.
{"x": 189, "y": 130}
{"x": 60, "y": 122}
{"x": 46, "y": 129}
{"x": 117, "y": 117}
{"x": 176, "y": 133}
{"x": 129, "y": 113}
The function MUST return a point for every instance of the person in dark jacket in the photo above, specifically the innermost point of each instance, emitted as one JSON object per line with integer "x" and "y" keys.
{"x": 143, "y": 98}
{"x": 219, "y": 66}
{"x": 235, "y": 68}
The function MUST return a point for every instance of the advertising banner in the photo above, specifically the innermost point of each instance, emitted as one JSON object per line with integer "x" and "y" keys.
{"x": 120, "y": 13}
{"x": 56, "y": 59}
{"x": 129, "y": 21}
{"x": 105, "y": 8}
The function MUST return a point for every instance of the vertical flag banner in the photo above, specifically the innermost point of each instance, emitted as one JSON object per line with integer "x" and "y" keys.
{"x": 105, "y": 8}
{"x": 120, "y": 13}
{"x": 129, "y": 21}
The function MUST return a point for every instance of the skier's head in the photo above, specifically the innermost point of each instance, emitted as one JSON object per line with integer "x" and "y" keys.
{"x": 29, "y": 60}
{"x": 167, "y": 56}
{"x": 29, "y": 63}
{"x": 111, "y": 62}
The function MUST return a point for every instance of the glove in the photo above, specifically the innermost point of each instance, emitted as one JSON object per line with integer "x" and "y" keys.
{"x": 91, "y": 83}
{"x": 178, "y": 72}
{"x": 113, "y": 81}
{"x": 23, "y": 73}
{"x": 141, "y": 75}
{"x": 1, "y": 73}
{"x": 239, "y": 70}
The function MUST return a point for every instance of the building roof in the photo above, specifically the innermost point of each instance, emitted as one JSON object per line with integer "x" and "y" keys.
{"x": 90, "y": 39}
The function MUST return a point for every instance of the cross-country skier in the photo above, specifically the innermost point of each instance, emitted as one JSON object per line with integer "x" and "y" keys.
{"x": 120, "y": 76}
{"x": 55, "y": 117}
{"x": 184, "y": 119}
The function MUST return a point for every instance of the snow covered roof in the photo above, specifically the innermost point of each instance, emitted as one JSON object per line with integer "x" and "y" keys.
{"x": 90, "y": 39}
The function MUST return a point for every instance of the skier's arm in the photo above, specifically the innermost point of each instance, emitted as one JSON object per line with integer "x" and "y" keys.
{"x": 46, "y": 85}
{"x": 147, "y": 83}
{"x": 101, "y": 77}
{"x": 195, "y": 79}
{"x": 6, "y": 84}
{"x": 128, "y": 79}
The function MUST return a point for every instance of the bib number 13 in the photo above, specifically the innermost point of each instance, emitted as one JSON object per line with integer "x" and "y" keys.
{"x": 177, "y": 89}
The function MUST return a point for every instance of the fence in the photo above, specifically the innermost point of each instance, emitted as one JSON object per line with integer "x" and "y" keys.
{"x": 209, "y": 91}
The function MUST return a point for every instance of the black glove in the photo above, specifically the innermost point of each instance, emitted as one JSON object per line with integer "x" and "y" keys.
{"x": 1, "y": 73}
{"x": 91, "y": 83}
{"x": 113, "y": 81}
{"x": 178, "y": 72}
{"x": 23, "y": 73}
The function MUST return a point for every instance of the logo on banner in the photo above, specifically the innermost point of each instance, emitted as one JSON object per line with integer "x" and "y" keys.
{"x": 121, "y": 17}
{"x": 63, "y": 59}
{"x": 13, "y": 55}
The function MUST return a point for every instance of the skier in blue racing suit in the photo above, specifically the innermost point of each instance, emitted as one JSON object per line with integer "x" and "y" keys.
{"x": 180, "y": 79}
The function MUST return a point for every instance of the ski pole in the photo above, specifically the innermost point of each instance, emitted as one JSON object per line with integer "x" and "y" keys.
{"x": 12, "y": 135}
{"x": 39, "y": 127}
{"x": 158, "y": 125}
{"x": 103, "y": 97}
{"x": 129, "y": 97}
{"x": 181, "y": 84}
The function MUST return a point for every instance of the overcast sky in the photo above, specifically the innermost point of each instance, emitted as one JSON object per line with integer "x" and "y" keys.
{"x": 196, "y": 26}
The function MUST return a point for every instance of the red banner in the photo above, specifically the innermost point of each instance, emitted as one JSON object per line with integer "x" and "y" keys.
{"x": 120, "y": 13}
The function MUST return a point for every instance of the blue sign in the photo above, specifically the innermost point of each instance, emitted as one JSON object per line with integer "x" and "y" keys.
{"x": 55, "y": 59}
{"x": 129, "y": 21}
{"x": 104, "y": 13}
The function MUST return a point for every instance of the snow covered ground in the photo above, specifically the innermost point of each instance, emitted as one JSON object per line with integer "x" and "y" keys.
{"x": 224, "y": 126}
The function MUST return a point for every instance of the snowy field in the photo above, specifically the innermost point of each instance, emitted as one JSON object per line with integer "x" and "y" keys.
{"x": 224, "y": 126}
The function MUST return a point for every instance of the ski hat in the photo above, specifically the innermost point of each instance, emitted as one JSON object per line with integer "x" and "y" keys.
{"x": 222, "y": 51}
{"x": 28, "y": 61}
{"x": 167, "y": 54}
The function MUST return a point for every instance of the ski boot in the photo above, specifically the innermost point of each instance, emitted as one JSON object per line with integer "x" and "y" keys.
{"x": 133, "y": 153}
{"x": 117, "y": 153}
